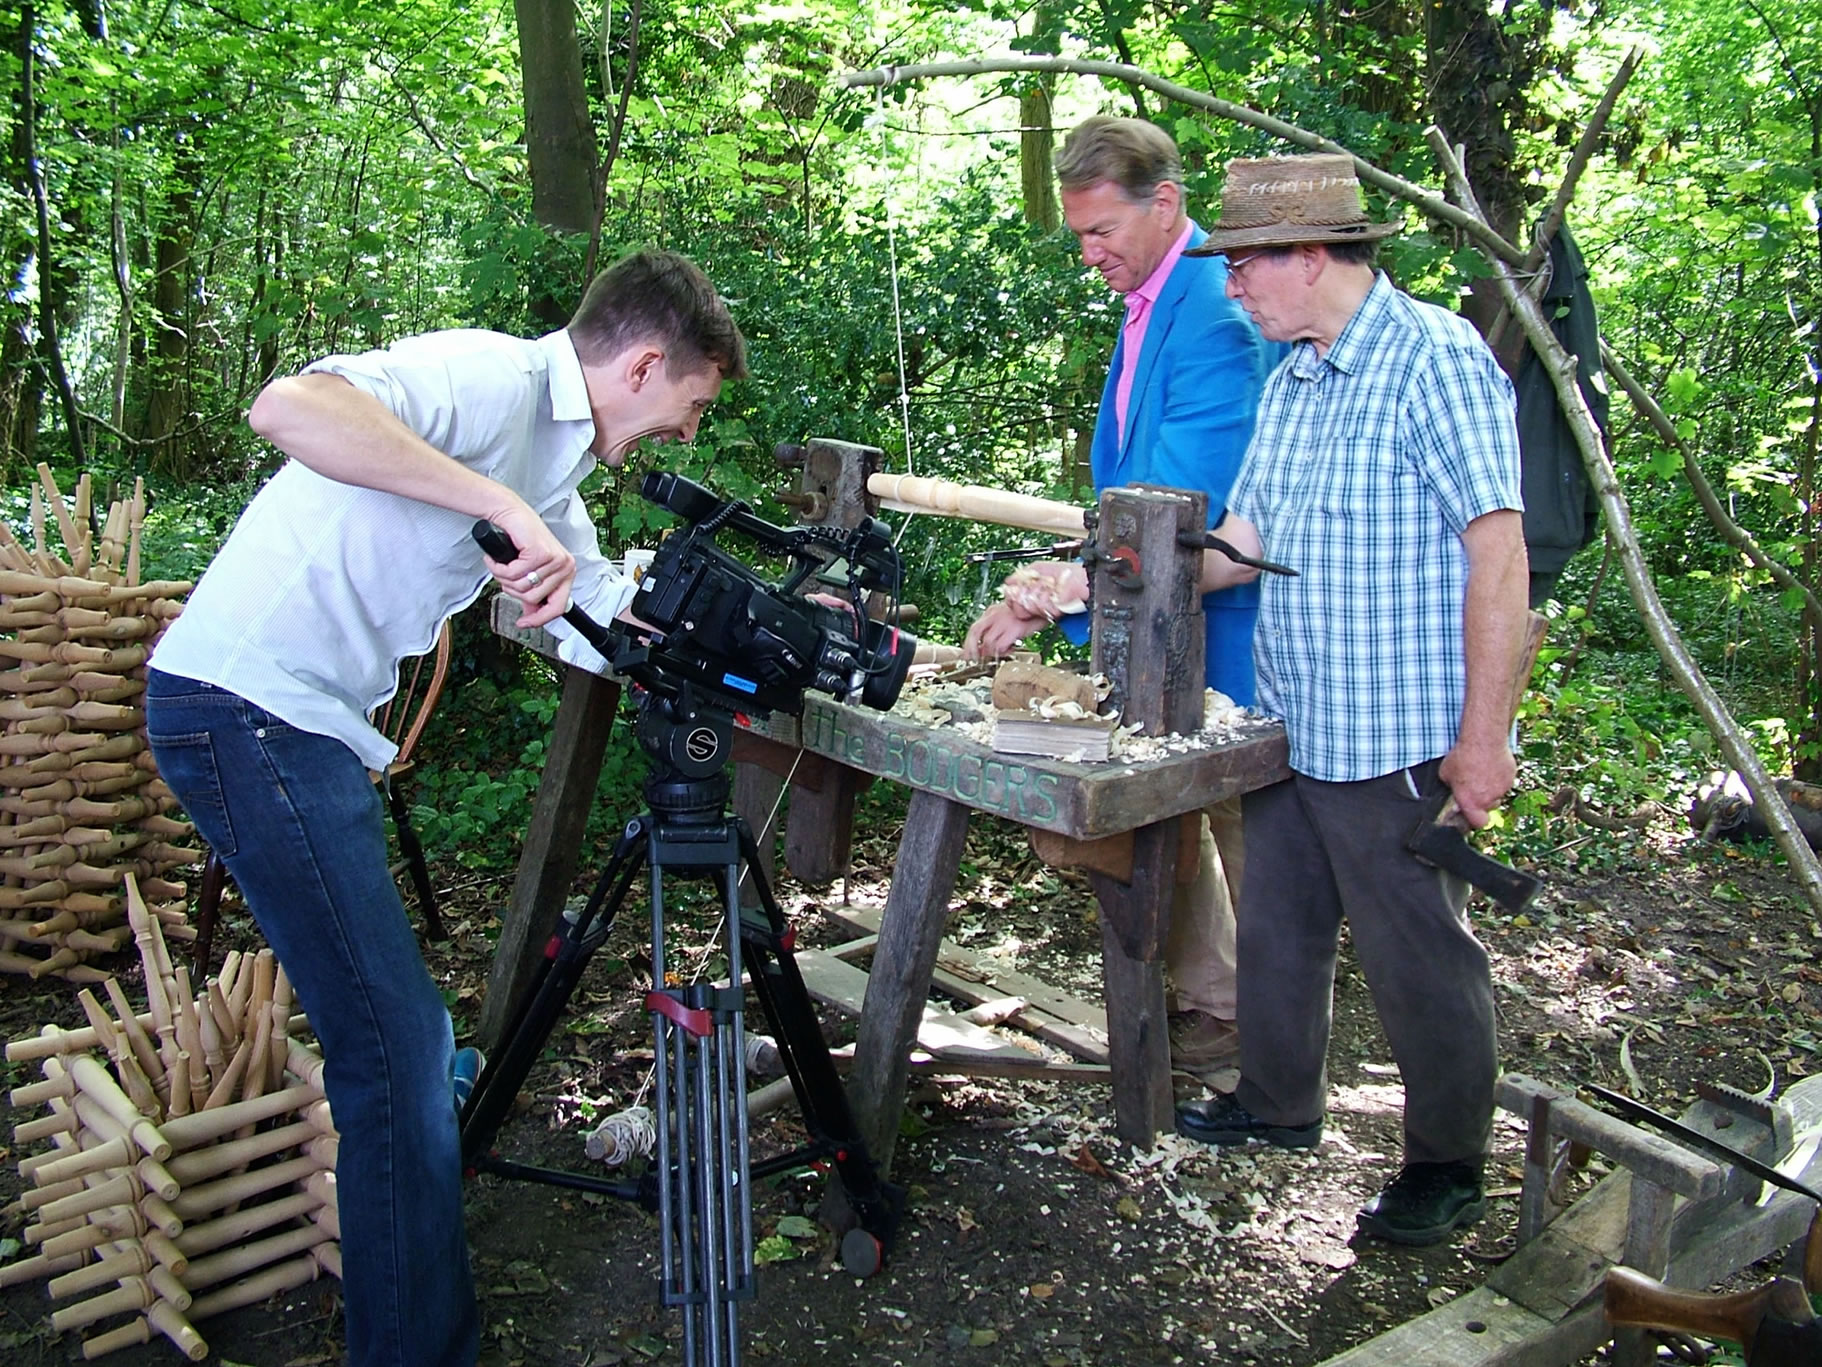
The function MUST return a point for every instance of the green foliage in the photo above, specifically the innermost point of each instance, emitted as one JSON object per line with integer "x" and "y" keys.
{"x": 484, "y": 753}
{"x": 357, "y": 173}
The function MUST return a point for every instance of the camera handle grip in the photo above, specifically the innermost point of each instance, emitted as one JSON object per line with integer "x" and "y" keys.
{"x": 499, "y": 547}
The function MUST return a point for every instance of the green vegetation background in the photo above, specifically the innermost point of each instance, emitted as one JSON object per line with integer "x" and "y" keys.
{"x": 231, "y": 189}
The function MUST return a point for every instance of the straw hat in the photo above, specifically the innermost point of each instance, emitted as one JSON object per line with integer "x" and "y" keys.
{"x": 1281, "y": 201}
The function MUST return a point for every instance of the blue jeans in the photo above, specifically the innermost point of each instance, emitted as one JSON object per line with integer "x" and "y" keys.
{"x": 298, "y": 822}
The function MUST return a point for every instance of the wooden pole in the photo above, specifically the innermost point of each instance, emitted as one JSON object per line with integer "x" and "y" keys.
{"x": 914, "y": 493}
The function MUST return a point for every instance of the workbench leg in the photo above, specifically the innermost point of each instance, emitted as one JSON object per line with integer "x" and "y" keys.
{"x": 1135, "y": 924}
{"x": 756, "y": 791}
{"x": 553, "y": 842}
{"x": 819, "y": 827}
{"x": 898, "y": 985}
{"x": 1648, "y": 1215}
{"x": 1138, "y": 1041}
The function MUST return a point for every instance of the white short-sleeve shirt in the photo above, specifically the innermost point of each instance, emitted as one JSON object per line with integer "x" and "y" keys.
{"x": 323, "y": 588}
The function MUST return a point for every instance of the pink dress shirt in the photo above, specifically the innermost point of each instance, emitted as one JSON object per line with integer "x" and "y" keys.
{"x": 1138, "y": 318}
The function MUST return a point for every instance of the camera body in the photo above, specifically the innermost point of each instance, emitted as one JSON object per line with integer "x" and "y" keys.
{"x": 713, "y": 638}
{"x": 756, "y": 646}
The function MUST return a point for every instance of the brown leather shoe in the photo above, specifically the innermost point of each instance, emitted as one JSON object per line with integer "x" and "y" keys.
{"x": 1201, "y": 1043}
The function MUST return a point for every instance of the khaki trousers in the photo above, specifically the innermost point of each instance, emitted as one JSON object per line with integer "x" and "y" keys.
{"x": 1199, "y": 952}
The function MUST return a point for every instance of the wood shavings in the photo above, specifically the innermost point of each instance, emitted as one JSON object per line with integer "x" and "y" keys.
{"x": 943, "y": 702}
{"x": 920, "y": 710}
{"x": 1220, "y": 711}
{"x": 1059, "y": 709}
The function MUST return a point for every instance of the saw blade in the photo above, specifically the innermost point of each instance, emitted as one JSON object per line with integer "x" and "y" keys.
{"x": 1714, "y": 1148}
{"x": 1740, "y": 1103}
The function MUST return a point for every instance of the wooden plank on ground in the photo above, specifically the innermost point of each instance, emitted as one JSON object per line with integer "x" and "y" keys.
{"x": 1053, "y": 1016}
{"x": 768, "y": 1098}
{"x": 941, "y": 1033}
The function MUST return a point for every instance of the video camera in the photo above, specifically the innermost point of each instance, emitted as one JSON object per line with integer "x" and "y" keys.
{"x": 714, "y": 626}
{"x": 757, "y": 645}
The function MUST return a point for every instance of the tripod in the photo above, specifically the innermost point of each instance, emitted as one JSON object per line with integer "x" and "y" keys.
{"x": 701, "y": 1181}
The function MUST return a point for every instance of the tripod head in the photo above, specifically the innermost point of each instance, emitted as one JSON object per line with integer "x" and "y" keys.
{"x": 688, "y": 740}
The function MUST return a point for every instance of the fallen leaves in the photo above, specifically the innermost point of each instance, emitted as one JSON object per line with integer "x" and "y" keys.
{"x": 1084, "y": 1159}
{"x": 774, "y": 1248}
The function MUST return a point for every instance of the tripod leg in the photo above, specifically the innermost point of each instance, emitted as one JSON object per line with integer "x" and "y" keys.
{"x": 553, "y": 982}
{"x": 705, "y": 1206}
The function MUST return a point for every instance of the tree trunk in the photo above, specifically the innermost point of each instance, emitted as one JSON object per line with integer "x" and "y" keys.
{"x": 21, "y": 396}
{"x": 49, "y": 275}
{"x": 123, "y": 285}
{"x": 1036, "y": 141}
{"x": 1806, "y": 748}
{"x": 168, "y": 391}
{"x": 1477, "y": 83}
{"x": 559, "y": 136}
{"x": 20, "y": 384}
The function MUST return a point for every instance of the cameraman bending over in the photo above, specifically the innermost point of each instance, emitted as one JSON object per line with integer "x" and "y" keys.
{"x": 348, "y": 561}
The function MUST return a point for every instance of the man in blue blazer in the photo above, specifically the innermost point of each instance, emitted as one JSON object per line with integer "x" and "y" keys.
{"x": 1182, "y": 391}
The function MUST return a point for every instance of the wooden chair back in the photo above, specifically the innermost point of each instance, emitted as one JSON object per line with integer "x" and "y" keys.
{"x": 403, "y": 717}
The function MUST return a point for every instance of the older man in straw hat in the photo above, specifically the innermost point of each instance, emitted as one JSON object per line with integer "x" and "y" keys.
{"x": 1384, "y": 467}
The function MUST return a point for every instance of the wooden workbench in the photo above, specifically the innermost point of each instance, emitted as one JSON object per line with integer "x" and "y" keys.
{"x": 1102, "y": 815}
{"x": 1106, "y": 815}
{"x": 1120, "y": 821}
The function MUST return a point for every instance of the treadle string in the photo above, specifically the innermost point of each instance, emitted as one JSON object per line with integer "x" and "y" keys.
{"x": 898, "y": 314}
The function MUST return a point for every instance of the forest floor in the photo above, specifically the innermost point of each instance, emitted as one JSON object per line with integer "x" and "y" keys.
{"x": 1650, "y": 962}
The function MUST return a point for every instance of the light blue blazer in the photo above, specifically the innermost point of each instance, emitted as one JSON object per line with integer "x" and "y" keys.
{"x": 1189, "y": 418}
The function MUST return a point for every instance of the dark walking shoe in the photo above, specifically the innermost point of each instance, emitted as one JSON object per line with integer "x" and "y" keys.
{"x": 1425, "y": 1203}
{"x": 1220, "y": 1119}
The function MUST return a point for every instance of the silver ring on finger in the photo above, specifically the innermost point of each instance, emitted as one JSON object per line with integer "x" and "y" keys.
{"x": 532, "y": 579}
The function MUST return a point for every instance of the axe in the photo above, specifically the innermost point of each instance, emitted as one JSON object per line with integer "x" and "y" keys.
{"x": 1439, "y": 838}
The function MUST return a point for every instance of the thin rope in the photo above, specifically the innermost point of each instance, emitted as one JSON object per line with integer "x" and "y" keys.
{"x": 898, "y": 316}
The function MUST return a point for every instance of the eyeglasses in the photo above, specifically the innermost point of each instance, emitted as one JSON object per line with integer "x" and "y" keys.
{"x": 1236, "y": 263}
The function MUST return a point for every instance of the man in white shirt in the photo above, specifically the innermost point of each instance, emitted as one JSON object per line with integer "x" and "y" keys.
{"x": 347, "y": 562}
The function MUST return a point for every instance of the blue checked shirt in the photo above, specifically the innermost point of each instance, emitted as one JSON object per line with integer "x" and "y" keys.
{"x": 1365, "y": 466}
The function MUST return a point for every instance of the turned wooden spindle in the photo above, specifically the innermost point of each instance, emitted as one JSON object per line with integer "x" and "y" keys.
{"x": 236, "y": 1226}
{"x": 135, "y": 1028}
{"x": 208, "y": 1198}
